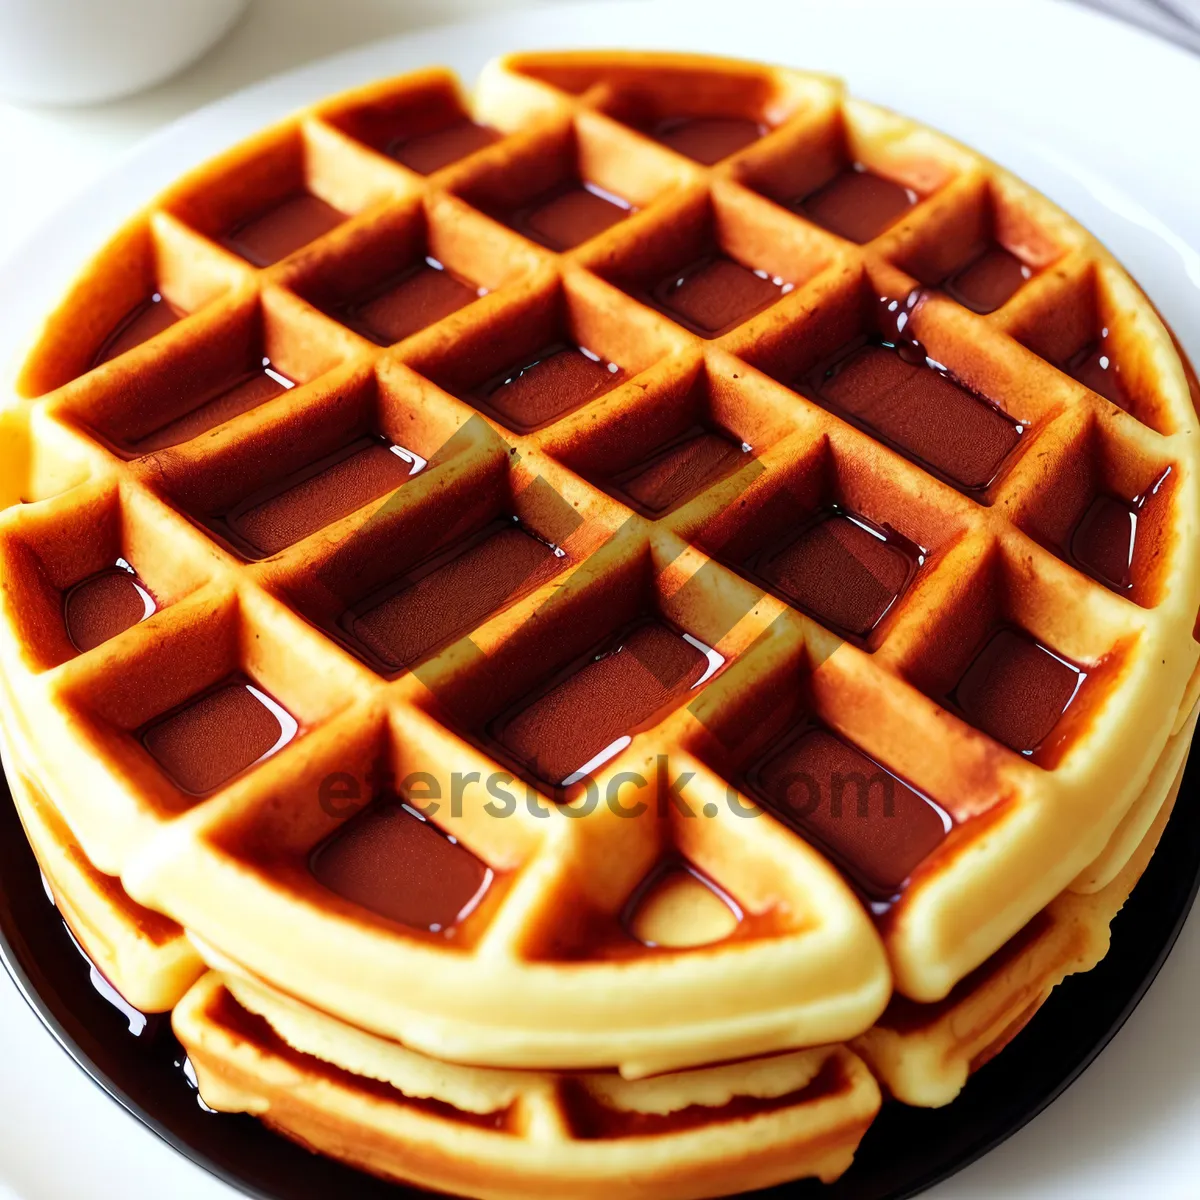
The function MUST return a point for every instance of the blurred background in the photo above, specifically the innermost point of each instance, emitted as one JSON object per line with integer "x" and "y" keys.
{"x": 83, "y": 80}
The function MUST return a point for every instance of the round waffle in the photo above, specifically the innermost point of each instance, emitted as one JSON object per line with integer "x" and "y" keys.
{"x": 635, "y": 569}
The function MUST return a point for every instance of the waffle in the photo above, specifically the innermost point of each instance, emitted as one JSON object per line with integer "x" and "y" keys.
{"x": 646, "y": 450}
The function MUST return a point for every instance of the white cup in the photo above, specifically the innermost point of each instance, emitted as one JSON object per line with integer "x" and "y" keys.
{"x": 83, "y": 51}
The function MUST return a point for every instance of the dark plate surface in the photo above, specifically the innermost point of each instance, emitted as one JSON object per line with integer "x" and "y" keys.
{"x": 906, "y": 1151}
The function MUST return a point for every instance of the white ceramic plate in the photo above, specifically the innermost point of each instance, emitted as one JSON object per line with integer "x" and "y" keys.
{"x": 1098, "y": 115}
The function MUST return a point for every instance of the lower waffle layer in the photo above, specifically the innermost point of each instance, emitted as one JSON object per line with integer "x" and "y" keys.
{"x": 1132, "y": 832}
{"x": 504, "y": 1135}
{"x": 924, "y": 1053}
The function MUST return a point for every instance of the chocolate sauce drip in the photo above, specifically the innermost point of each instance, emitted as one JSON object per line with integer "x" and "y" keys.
{"x": 988, "y": 280}
{"x": 872, "y": 823}
{"x": 843, "y": 569}
{"x": 450, "y": 595}
{"x": 569, "y": 214}
{"x": 857, "y": 204}
{"x": 708, "y": 139}
{"x": 1016, "y": 690}
{"x": 1104, "y": 540}
{"x": 429, "y": 152}
{"x": 217, "y": 734}
{"x": 275, "y": 517}
{"x": 140, "y": 324}
{"x": 408, "y": 302}
{"x": 1095, "y": 367}
{"x": 244, "y": 392}
{"x": 547, "y": 386}
{"x": 595, "y": 707}
{"x": 895, "y": 326}
{"x": 394, "y": 862}
{"x": 679, "y": 471}
{"x": 889, "y": 386}
{"x": 284, "y": 227}
{"x": 105, "y": 604}
{"x": 714, "y": 294}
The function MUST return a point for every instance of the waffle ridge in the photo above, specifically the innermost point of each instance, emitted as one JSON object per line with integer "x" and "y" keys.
{"x": 1024, "y": 828}
{"x": 502, "y": 1134}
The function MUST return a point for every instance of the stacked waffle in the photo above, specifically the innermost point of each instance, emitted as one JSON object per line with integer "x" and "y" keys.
{"x": 571, "y": 636}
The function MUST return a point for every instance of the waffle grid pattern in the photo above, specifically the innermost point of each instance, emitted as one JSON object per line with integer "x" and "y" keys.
{"x": 1024, "y": 828}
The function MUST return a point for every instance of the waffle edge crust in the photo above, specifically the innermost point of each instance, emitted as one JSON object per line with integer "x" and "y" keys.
{"x": 722, "y": 554}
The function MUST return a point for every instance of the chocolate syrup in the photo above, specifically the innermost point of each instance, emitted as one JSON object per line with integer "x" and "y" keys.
{"x": 141, "y": 1025}
{"x": 408, "y": 302}
{"x": 677, "y": 906}
{"x": 888, "y": 386}
{"x": 1103, "y": 542}
{"x": 894, "y": 318}
{"x": 105, "y": 604}
{"x": 988, "y": 280}
{"x": 872, "y": 824}
{"x": 708, "y": 139}
{"x": 586, "y": 715}
{"x": 391, "y": 860}
{"x": 429, "y": 152}
{"x": 449, "y": 594}
{"x": 1016, "y": 690}
{"x": 279, "y": 515}
{"x": 140, "y": 324}
{"x": 677, "y": 472}
{"x": 217, "y": 734}
{"x": 245, "y": 392}
{"x": 569, "y": 214}
{"x": 714, "y": 294}
{"x": 1095, "y": 368}
{"x": 840, "y": 568}
{"x": 857, "y": 204}
{"x": 546, "y": 386}
{"x": 275, "y": 232}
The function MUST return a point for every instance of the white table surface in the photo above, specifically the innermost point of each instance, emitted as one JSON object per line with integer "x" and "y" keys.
{"x": 1127, "y": 1129}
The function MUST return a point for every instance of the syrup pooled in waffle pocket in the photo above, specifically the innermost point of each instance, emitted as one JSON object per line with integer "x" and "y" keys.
{"x": 658, "y": 565}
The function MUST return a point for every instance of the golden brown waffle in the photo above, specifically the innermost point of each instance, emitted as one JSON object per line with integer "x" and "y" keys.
{"x": 144, "y": 955}
{"x": 723, "y": 297}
